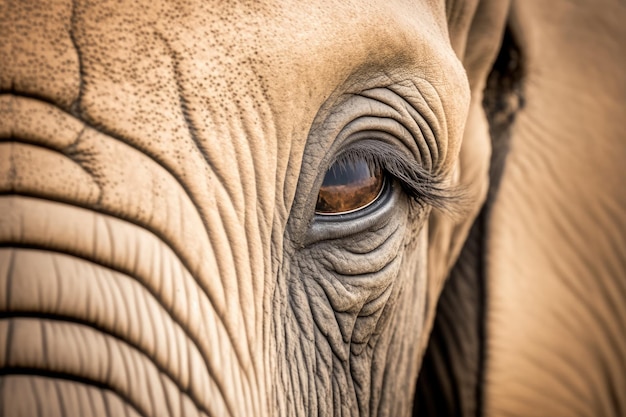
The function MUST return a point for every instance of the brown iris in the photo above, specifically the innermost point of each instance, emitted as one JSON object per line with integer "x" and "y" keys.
{"x": 349, "y": 186}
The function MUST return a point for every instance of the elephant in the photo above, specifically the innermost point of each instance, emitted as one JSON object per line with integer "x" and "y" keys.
{"x": 281, "y": 208}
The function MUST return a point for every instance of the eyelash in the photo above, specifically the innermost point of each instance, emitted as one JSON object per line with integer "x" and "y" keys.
{"x": 416, "y": 182}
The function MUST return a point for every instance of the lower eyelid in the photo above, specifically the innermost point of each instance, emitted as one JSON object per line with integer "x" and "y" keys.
{"x": 373, "y": 217}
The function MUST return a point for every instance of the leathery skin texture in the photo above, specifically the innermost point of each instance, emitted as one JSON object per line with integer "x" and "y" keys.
{"x": 160, "y": 249}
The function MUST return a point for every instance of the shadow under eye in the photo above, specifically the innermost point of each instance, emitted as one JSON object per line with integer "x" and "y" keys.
{"x": 349, "y": 186}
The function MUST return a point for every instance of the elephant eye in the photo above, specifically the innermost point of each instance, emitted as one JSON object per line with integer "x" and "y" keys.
{"x": 349, "y": 185}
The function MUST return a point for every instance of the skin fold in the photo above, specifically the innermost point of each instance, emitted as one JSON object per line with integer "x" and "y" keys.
{"x": 160, "y": 163}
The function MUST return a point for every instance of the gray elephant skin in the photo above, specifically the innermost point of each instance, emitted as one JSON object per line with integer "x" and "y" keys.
{"x": 281, "y": 208}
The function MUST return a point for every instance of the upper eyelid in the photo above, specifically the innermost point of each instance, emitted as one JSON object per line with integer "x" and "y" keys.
{"x": 414, "y": 115}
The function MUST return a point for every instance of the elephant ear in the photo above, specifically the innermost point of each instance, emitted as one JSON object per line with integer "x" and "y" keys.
{"x": 532, "y": 316}
{"x": 556, "y": 248}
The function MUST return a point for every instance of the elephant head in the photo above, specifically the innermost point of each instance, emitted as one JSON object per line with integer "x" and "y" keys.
{"x": 234, "y": 208}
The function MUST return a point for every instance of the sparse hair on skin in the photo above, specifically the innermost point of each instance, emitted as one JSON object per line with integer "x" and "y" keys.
{"x": 422, "y": 186}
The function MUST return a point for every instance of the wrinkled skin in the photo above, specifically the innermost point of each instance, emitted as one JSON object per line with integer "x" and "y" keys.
{"x": 159, "y": 168}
